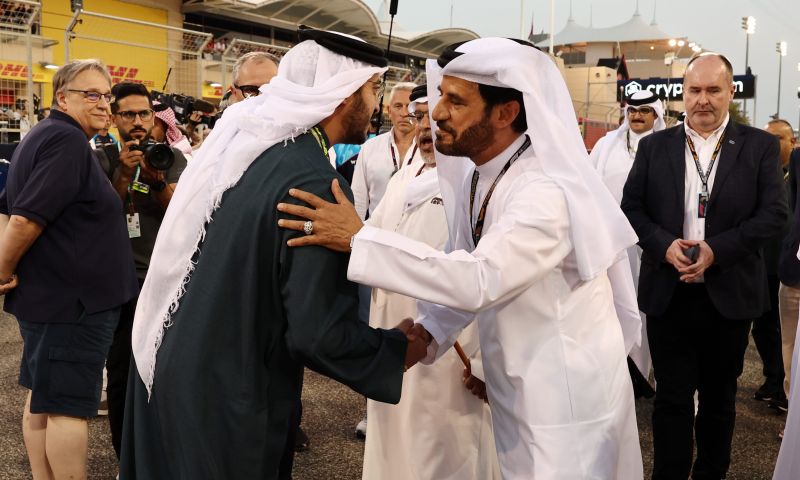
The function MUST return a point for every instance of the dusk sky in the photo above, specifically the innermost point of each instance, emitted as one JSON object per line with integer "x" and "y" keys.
{"x": 714, "y": 24}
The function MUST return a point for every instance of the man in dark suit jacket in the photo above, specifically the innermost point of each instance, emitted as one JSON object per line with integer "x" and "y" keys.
{"x": 703, "y": 197}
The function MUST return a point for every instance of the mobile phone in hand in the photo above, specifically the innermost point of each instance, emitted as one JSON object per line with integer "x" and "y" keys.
{"x": 692, "y": 253}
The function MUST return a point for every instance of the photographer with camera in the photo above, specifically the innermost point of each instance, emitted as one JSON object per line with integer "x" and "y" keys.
{"x": 144, "y": 174}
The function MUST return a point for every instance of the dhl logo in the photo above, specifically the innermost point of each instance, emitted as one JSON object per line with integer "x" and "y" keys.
{"x": 18, "y": 71}
{"x": 13, "y": 70}
{"x": 126, "y": 74}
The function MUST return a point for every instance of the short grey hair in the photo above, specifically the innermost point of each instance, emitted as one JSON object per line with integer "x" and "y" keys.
{"x": 67, "y": 73}
{"x": 256, "y": 57}
{"x": 401, "y": 86}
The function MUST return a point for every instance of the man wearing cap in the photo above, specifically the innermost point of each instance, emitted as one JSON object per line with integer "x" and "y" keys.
{"x": 229, "y": 316}
{"x": 704, "y": 198}
{"x": 458, "y": 442}
{"x": 612, "y": 157}
{"x": 535, "y": 244}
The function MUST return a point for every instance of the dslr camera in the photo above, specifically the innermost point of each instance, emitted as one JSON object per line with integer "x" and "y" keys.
{"x": 157, "y": 155}
{"x": 184, "y": 105}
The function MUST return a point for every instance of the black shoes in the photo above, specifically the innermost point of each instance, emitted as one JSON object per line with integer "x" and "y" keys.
{"x": 766, "y": 394}
{"x": 779, "y": 403}
{"x": 776, "y": 400}
{"x": 301, "y": 441}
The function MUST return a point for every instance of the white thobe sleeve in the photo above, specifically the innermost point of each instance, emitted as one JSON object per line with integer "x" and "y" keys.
{"x": 528, "y": 240}
{"x": 359, "y": 185}
{"x": 625, "y": 302}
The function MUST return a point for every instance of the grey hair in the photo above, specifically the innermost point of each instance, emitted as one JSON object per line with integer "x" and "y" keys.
{"x": 67, "y": 73}
{"x": 256, "y": 57}
{"x": 402, "y": 86}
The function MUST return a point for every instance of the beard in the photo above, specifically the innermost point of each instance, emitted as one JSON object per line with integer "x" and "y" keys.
{"x": 356, "y": 122}
{"x": 142, "y": 134}
{"x": 475, "y": 139}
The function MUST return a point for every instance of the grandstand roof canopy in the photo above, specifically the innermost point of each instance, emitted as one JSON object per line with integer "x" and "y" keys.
{"x": 634, "y": 30}
{"x": 347, "y": 16}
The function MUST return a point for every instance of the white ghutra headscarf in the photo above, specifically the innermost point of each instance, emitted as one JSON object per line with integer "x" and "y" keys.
{"x": 599, "y": 230}
{"x": 311, "y": 82}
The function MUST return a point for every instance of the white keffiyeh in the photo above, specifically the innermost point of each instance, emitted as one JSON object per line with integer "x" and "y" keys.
{"x": 599, "y": 230}
{"x": 311, "y": 82}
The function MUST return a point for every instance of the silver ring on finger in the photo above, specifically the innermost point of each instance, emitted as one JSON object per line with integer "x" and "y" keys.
{"x": 308, "y": 227}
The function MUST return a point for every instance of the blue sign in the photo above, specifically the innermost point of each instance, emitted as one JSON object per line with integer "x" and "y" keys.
{"x": 672, "y": 88}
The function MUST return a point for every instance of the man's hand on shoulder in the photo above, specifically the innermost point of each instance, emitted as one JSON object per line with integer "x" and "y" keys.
{"x": 331, "y": 225}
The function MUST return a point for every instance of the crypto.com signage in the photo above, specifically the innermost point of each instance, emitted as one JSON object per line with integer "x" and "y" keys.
{"x": 672, "y": 88}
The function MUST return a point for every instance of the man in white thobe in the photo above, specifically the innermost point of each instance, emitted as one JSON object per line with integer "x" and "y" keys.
{"x": 612, "y": 157}
{"x": 382, "y": 156}
{"x": 439, "y": 430}
{"x": 536, "y": 243}
{"x": 379, "y": 159}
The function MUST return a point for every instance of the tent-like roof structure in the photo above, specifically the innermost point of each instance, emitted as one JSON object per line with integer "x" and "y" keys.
{"x": 347, "y": 16}
{"x": 634, "y": 30}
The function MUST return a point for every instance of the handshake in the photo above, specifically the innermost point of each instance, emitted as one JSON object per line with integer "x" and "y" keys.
{"x": 418, "y": 341}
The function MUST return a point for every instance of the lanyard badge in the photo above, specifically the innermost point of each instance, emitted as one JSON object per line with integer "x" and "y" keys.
{"x": 703, "y": 196}
{"x": 138, "y": 186}
{"x": 702, "y": 204}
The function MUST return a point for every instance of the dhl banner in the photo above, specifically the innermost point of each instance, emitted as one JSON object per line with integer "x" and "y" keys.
{"x": 212, "y": 91}
{"x": 122, "y": 73}
{"x": 11, "y": 70}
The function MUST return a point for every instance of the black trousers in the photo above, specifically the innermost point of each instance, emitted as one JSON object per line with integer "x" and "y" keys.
{"x": 117, "y": 366}
{"x": 767, "y": 337}
{"x": 694, "y": 348}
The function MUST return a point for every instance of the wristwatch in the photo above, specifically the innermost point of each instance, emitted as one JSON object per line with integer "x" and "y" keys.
{"x": 158, "y": 187}
{"x": 352, "y": 240}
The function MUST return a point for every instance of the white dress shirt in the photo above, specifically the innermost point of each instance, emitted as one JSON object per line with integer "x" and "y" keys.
{"x": 374, "y": 168}
{"x": 695, "y": 228}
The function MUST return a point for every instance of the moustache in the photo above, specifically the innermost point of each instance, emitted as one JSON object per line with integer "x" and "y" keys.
{"x": 443, "y": 127}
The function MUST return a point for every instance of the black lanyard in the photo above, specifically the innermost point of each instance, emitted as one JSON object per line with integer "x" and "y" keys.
{"x": 394, "y": 157}
{"x": 704, "y": 176}
{"x": 477, "y": 229}
{"x": 628, "y": 142}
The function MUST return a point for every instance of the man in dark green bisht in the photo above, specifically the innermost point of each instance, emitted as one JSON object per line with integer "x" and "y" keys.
{"x": 229, "y": 315}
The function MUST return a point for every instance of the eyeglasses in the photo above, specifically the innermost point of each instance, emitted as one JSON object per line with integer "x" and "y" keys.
{"x": 640, "y": 110}
{"x": 381, "y": 88}
{"x": 418, "y": 116}
{"x": 248, "y": 90}
{"x": 94, "y": 97}
{"x": 130, "y": 115}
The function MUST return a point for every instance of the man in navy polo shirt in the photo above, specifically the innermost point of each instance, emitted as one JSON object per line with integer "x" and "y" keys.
{"x": 66, "y": 267}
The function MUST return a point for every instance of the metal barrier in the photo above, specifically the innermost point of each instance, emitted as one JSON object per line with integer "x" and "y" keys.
{"x": 162, "y": 57}
{"x": 18, "y": 95}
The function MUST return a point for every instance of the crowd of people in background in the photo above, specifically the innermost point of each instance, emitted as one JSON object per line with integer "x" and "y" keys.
{"x": 567, "y": 284}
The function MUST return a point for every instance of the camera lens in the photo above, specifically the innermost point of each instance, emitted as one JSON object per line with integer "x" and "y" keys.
{"x": 159, "y": 156}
